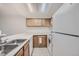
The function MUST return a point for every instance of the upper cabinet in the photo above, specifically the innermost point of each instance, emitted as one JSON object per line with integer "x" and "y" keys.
{"x": 38, "y": 22}
{"x": 46, "y": 22}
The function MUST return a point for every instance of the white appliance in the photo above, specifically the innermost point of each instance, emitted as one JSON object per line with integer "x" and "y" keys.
{"x": 65, "y": 45}
{"x": 66, "y": 31}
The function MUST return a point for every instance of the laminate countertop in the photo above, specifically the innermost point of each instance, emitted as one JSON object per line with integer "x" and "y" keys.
{"x": 15, "y": 50}
{"x": 14, "y": 37}
{"x": 18, "y": 36}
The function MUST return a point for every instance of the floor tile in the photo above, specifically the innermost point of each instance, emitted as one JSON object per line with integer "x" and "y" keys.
{"x": 40, "y": 52}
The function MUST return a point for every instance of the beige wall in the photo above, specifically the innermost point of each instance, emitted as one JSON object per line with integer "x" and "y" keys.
{"x": 17, "y": 24}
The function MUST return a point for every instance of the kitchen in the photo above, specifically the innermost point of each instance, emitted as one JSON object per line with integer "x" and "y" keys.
{"x": 35, "y": 29}
{"x": 18, "y": 26}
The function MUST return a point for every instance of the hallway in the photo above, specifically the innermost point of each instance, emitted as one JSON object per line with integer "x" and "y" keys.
{"x": 40, "y": 52}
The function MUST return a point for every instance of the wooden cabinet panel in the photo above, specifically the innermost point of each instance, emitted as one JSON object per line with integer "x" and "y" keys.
{"x": 46, "y": 22}
{"x": 35, "y": 41}
{"x": 20, "y": 53}
{"x": 33, "y": 22}
{"x": 38, "y": 22}
{"x": 44, "y": 41}
{"x": 26, "y": 49}
{"x": 40, "y": 41}
{"x": 30, "y": 22}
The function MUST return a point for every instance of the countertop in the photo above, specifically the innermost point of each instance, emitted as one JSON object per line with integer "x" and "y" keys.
{"x": 19, "y": 36}
{"x": 22, "y": 36}
{"x": 14, "y": 51}
{"x": 14, "y": 37}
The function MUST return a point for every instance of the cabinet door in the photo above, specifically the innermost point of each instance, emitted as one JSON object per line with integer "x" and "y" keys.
{"x": 40, "y": 41}
{"x": 35, "y": 41}
{"x": 26, "y": 49}
{"x": 37, "y": 22}
{"x": 44, "y": 44}
{"x": 34, "y": 22}
{"x": 30, "y": 22}
{"x": 20, "y": 52}
{"x": 46, "y": 22}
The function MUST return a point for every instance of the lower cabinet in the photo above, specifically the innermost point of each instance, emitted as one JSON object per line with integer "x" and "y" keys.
{"x": 20, "y": 52}
{"x": 24, "y": 51}
{"x": 39, "y": 41}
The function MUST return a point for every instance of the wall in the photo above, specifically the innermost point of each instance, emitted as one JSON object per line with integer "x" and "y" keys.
{"x": 11, "y": 25}
{"x": 13, "y": 19}
{"x": 0, "y": 31}
{"x": 14, "y": 24}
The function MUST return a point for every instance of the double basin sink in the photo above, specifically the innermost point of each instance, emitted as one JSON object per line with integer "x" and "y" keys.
{"x": 9, "y": 46}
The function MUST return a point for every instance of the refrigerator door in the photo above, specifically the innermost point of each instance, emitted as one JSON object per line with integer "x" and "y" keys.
{"x": 64, "y": 45}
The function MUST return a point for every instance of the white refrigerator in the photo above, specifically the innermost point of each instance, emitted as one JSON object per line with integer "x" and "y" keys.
{"x": 66, "y": 31}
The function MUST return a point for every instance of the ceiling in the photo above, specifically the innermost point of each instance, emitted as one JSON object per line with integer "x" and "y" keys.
{"x": 29, "y": 10}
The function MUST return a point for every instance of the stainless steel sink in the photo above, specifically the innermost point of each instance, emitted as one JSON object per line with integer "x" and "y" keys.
{"x": 17, "y": 41}
{"x": 7, "y": 48}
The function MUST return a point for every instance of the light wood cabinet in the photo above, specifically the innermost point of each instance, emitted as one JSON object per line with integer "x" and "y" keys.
{"x": 46, "y": 22}
{"x": 24, "y": 51}
{"x": 38, "y": 22}
{"x": 20, "y": 52}
{"x": 35, "y": 41}
{"x": 39, "y": 41}
{"x": 33, "y": 22}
